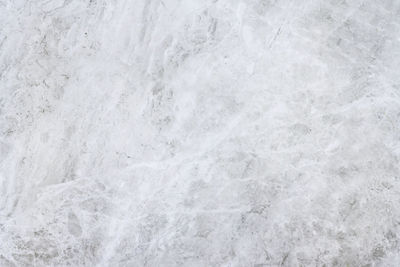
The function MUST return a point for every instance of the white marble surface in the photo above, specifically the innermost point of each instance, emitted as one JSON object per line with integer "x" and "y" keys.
{"x": 199, "y": 133}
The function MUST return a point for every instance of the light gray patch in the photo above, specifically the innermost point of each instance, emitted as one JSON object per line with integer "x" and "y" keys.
{"x": 74, "y": 227}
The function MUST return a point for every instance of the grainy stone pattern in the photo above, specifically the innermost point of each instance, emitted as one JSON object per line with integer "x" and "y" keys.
{"x": 199, "y": 133}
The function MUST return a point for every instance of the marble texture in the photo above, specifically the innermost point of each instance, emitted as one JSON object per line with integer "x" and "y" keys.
{"x": 199, "y": 133}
